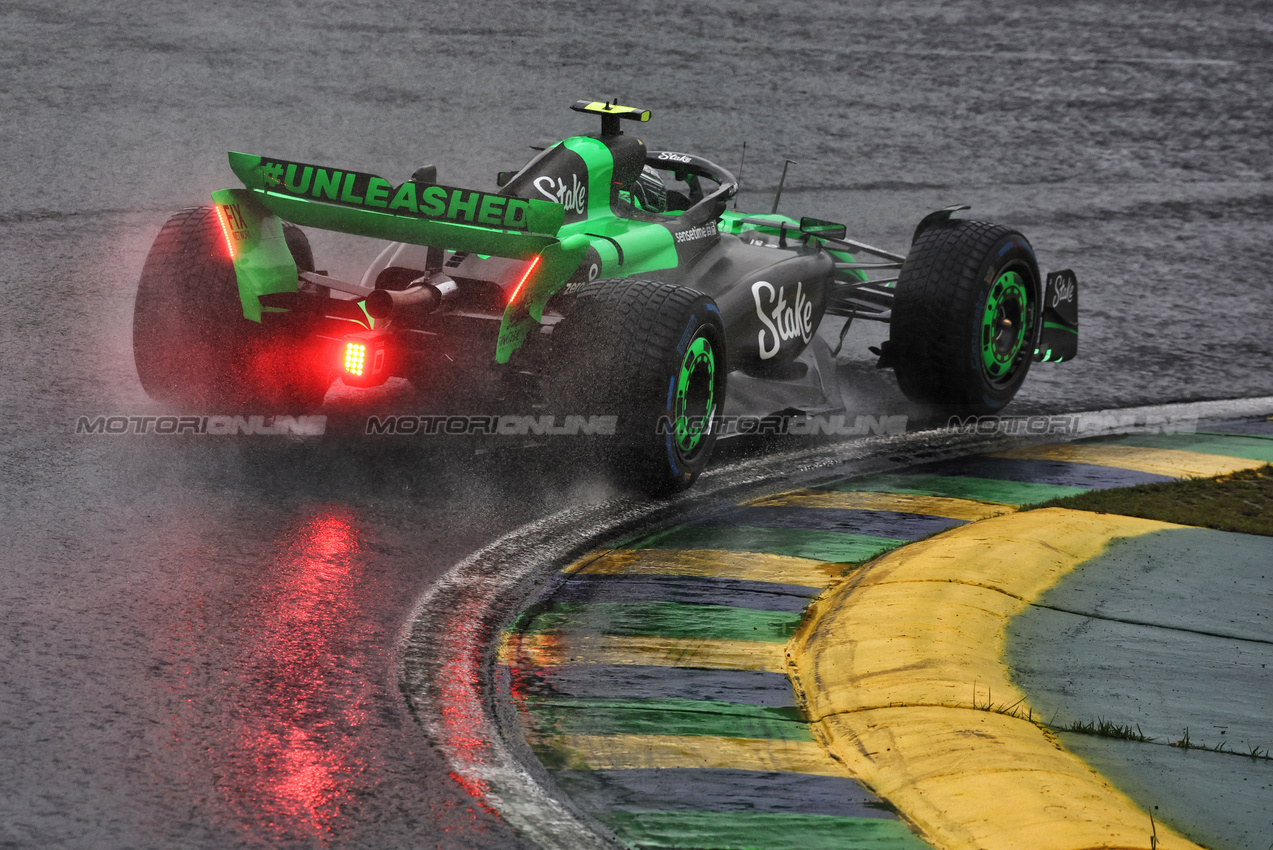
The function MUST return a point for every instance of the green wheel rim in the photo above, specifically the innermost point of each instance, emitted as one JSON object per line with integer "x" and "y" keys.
{"x": 694, "y": 400}
{"x": 1005, "y": 326}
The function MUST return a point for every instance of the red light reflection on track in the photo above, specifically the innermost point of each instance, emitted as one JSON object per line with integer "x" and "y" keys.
{"x": 528, "y": 663}
{"x": 299, "y": 767}
{"x": 285, "y": 719}
{"x": 461, "y": 699}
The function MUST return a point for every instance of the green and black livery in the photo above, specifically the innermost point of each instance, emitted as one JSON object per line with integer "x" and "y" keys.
{"x": 667, "y": 309}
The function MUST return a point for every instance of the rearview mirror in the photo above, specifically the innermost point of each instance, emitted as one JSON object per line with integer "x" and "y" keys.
{"x": 823, "y": 229}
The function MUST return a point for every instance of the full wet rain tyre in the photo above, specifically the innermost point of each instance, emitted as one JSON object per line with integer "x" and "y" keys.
{"x": 191, "y": 343}
{"x": 653, "y": 354}
{"x": 965, "y": 317}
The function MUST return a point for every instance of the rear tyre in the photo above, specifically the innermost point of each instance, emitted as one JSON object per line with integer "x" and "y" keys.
{"x": 191, "y": 343}
{"x": 965, "y": 316}
{"x": 653, "y": 355}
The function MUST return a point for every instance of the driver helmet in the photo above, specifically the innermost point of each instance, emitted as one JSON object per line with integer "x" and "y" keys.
{"x": 648, "y": 192}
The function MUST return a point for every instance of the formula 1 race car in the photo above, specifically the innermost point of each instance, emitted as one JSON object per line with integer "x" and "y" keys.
{"x": 611, "y": 276}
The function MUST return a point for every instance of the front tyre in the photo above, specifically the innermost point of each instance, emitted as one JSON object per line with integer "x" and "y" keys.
{"x": 965, "y": 316}
{"x": 653, "y": 355}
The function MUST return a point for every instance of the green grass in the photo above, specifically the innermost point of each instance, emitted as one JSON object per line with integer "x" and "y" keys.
{"x": 1241, "y": 502}
{"x": 1253, "y": 752}
{"x": 1109, "y": 729}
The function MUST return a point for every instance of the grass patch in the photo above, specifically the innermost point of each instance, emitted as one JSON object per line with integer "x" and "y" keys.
{"x": 1253, "y": 752}
{"x": 1241, "y": 501}
{"x": 1015, "y": 709}
{"x": 1107, "y": 729}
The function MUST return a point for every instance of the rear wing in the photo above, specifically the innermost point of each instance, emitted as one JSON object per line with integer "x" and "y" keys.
{"x": 364, "y": 204}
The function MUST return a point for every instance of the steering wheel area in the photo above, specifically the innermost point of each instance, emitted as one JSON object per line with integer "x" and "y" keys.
{"x": 687, "y": 172}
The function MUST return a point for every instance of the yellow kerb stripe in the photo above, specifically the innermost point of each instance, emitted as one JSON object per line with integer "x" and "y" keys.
{"x": 710, "y": 563}
{"x": 1172, "y": 463}
{"x": 632, "y": 752}
{"x": 967, "y": 509}
{"x": 895, "y": 662}
{"x": 550, "y": 651}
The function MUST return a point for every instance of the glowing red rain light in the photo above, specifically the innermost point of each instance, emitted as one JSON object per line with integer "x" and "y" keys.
{"x": 225, "y": 230}
{"x": 518, "y": 288}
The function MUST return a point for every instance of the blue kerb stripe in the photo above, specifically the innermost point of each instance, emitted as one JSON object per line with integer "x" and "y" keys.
{"x": 736, "y": 593}
{"x": 720, "y": 790}
{"x": 890, "y": 524}
{"x": 639, "y": 681}
{"x": 1056, "y": 472}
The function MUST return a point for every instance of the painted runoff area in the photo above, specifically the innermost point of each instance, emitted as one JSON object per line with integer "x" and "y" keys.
{"x": 826, "y": 667}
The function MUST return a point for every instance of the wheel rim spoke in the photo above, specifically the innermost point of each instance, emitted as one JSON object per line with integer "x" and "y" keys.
{"x": 695, "y": 399}
{"x": 1005, "y": 326}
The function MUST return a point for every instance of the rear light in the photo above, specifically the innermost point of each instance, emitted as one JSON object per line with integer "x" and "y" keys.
{"x": 225, "y": 229}
{"x": 355, "y": 358}
{"x": 364, "y": 361}
{"x": 525, "y": 276}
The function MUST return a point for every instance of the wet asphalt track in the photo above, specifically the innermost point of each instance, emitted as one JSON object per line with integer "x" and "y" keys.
{"x": 198, "y": 636}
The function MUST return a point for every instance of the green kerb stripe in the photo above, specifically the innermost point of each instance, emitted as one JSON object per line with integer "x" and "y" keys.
{"x": 959, "y": 487}
{"x": 684, "y": 717}
{"x": 665, "y": 619}
{"x": 1228, "y": 445}
{"x": 763, "y": 831}
{"x": 815, "y": 544}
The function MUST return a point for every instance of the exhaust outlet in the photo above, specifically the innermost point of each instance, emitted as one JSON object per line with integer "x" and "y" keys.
{"x": 424, "y": 296}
